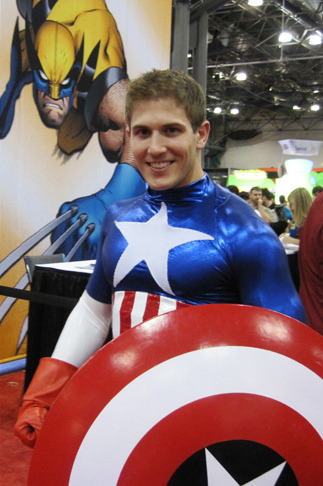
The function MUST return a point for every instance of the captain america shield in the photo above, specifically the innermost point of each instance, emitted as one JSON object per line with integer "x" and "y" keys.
{"x": 213, "y": 394}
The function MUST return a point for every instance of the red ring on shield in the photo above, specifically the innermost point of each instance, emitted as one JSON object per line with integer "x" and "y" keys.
{"x": 117, "y": 368}
{"x": 217, "y": 420}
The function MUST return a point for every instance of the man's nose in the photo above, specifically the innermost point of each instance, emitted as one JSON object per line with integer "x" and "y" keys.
{"x": 156, "y": 144}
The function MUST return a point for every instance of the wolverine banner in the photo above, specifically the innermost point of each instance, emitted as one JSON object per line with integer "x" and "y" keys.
{"x": 65, "y": 68}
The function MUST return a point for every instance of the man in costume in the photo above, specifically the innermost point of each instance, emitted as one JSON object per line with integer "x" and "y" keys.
{"x": 186, "y": 241}
{"x": 72, "y": 52}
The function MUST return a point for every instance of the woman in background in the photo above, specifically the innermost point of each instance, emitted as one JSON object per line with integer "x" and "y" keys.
{"x": 300, "y": 202}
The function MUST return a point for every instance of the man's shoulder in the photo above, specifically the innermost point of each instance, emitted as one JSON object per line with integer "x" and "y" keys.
{"x": 231, "y": 203}
{"x": 124, "y": 206}
{"x": 237, "y": 220}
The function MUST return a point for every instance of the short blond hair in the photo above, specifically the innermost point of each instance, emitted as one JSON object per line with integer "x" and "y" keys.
{"x": 158, "y": 84}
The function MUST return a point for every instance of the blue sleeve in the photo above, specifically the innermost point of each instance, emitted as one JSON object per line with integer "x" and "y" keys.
{"x": 98, "y": 286}
{"x": 264, "y": 275}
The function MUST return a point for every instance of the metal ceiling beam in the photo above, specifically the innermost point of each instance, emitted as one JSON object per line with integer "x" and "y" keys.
{"x": 180, "y": 35}
{"x": 200, "y": 51}
{"x": 263, "y": 57}
{"x": 208, "y": 6}
{"x": 289, "y": 9}
{"x": 266, "y": 61}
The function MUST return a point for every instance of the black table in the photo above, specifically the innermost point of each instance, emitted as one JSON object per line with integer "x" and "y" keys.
{"x": 47, "y": 321}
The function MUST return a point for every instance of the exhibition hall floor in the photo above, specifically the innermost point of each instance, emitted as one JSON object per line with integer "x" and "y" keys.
{"x": 14, "y": 456}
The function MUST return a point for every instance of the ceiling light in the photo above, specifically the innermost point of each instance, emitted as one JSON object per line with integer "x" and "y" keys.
{"x": 234, "y": 111}
{"x": 315, "y": 107}
{"x": 217, "y": 110}
{"x": 285, "y": 36}
{"x": 255, "y": 3}
{"x": 296, "y": 107}
{"x": 315, "y": 39}
{"x": 242, "y": 76}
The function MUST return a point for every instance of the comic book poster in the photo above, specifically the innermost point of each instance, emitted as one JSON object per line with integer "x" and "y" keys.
{"x": 65, "y": 68}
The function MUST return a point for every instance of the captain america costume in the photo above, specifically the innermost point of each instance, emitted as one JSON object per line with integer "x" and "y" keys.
{"x": 192, "y": 245}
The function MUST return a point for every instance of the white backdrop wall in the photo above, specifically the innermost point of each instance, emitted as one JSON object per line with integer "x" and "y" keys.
{"x": 265, "y": 151}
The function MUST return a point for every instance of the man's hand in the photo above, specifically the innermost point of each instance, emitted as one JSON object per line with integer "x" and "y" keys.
{"x": 90, "y": 213}
{"x": 125, "y": 183}
{"x": 49, "y": 379}
{"x": 29, "y": 423}
{"x": 262, "y": 210}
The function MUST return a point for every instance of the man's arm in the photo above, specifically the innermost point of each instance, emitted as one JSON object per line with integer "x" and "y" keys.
{"x": 20, "y": 75}
{"x": 84, "y": 333}
{"x": 264, "y": 276}
{"x": 111, "y": 114}
{"x": 264, "y": 212}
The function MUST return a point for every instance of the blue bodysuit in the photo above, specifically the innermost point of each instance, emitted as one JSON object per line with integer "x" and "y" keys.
{"x": 198, "y": 244}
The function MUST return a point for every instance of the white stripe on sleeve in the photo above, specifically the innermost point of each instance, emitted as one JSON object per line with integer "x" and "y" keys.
{"x": 84, "y": 332}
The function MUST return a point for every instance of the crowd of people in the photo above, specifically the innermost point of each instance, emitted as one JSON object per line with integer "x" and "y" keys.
{"x": 298, "y": 222}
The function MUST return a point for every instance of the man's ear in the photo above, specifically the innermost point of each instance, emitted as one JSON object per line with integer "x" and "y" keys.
{"x": 203, "y": 132}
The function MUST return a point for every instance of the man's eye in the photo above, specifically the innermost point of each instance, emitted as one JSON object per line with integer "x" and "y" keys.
{"x": 65, "y": 82}
{"x": 141, "y": 132}
{"x": 172, "y": 130}
{"x": 42, "y": 75}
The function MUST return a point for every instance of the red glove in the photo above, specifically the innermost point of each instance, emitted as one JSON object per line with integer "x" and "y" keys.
{"x": 50, "y": 377}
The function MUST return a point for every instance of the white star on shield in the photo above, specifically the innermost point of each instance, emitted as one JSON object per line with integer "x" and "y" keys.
{"x": 217, "y": 474}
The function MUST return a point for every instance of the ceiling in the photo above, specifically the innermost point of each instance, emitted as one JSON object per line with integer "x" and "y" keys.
{"x": 280, "y": 76}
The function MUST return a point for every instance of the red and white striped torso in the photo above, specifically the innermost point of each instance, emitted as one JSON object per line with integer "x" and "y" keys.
{"x": 130, "y": 308}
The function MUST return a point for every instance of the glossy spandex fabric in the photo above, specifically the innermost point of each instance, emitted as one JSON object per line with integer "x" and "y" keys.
{"x": 199, "y": 244}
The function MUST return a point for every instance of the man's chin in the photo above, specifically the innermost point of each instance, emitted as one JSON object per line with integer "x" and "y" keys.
{"x": 51, "y": 121}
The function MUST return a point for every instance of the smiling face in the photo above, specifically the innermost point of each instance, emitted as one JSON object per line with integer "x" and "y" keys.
{"x": 166, "y": 150}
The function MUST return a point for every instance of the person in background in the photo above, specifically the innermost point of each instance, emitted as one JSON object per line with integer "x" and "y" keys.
{"x": 284, "y": 203}
{"x": 300, "y": 202}
{"x": 149, "y": 257}
{"x": 233, "y": 189}
{"x": 316, "y": 191}
{"x": 279, "y": 221}
{"x": 255, "y": 200}
{"x": 245, "y": 195}
{"x": 311, "y": 264}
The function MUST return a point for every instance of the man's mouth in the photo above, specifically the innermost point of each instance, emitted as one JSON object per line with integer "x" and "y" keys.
{"x": 52, "y": 105}
{"x": 160, "y": 165}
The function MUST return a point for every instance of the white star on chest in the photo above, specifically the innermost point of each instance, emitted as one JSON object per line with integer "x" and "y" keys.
{"x": 151, "y": 242}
